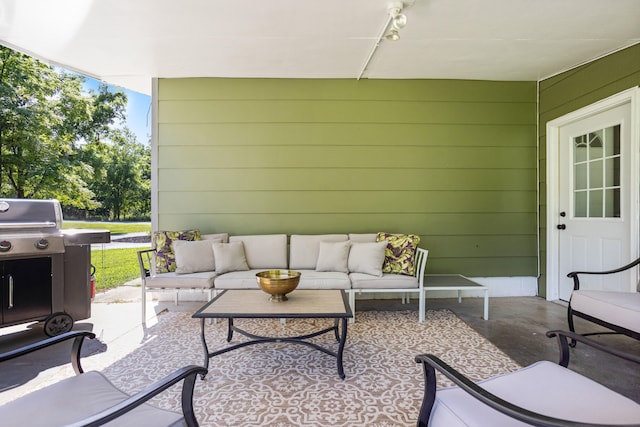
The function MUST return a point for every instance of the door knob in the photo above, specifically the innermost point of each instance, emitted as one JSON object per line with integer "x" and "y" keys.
{"x": 561, "y": 226}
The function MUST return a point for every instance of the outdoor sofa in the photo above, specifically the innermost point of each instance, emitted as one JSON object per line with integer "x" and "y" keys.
{"x": 355, "y": 263}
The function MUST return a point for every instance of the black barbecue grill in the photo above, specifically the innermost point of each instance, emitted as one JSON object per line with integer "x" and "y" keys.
{"x": 44, "y": 270}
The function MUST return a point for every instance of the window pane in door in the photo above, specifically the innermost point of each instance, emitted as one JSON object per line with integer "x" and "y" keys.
{"x": 595, "y": 204}
{"x": 595, "y": 140}
{"x": 580, "y": 204}
{"x": 612, "y": 203}
{"x": 580, "y": 177}
{"x": 580, "y": 149}
{"x": 595, "y": 174}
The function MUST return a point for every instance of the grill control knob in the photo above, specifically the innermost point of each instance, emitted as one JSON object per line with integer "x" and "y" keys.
{"x": 42, "y": 244}
{"x": 5, "y": 245}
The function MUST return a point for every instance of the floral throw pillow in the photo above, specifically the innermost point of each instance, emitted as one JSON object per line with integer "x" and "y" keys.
{"x": 165, "y": 257}
{"x": 399, "y": 256}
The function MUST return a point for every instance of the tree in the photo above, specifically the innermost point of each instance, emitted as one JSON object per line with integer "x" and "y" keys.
{"x": 45, "y": 121}
{"x": 121, "y": 175}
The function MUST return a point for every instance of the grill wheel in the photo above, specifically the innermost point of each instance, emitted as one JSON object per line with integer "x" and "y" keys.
{"x": 57, "y": 323}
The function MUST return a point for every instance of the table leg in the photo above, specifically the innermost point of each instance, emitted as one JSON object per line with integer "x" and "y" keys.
{"x": 486, "y": 304}
{"x": 343, "y": 340}
{"x": 204, "y": 345}
{"x": 229, "y": 329}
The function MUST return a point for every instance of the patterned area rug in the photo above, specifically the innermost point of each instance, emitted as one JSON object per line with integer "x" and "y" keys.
{"x": 280, "y": 384}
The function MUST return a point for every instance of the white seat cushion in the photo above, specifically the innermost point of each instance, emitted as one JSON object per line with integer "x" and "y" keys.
{"x": 202, "y": 280}
{"x": 618, "y": 308}
{"x": 387, "y": 281}
{"x": 79, "y": 397}
{"x": 545, "y": 388}
{"x": 237, "y": 280}
{"x": 311, "y": 279}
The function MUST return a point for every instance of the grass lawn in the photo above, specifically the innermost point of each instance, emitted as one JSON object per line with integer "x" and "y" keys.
{"x": 114, "y": 267}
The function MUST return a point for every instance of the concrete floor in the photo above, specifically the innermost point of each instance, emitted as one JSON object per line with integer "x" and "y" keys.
{"x": 516, "y": 325}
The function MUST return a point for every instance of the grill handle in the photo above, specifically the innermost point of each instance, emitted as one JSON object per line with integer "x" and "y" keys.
{"x": 10, "y": 277}
{"x": 28, "y": 225}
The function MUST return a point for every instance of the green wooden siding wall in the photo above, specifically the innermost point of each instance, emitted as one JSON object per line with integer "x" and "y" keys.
{"x": 452, "y": 161}
{"x": 570, "y": 91}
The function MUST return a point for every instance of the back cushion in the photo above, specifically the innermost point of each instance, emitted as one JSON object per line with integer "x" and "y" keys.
{"x": 264, "y": 251}
{"x": 363, "y": 237}
{"x": 223, "y": 237}
{"x": 304, "y": 249}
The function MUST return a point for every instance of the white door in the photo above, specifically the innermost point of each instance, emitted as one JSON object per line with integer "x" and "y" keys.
{"x": 594, "y": 207}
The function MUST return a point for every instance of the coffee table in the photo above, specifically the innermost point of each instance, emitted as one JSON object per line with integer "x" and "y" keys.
{"x": 254, "y": 304}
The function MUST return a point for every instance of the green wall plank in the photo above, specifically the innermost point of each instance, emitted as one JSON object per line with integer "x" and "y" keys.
{"x": 452, "y": 161}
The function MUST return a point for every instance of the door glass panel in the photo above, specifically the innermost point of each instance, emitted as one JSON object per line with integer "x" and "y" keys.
{"x": 596, "y": 174}
{"x": 595, "y": 203}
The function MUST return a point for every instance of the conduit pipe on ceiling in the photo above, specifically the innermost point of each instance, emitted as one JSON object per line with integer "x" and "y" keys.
{"x": 375, "y": 46}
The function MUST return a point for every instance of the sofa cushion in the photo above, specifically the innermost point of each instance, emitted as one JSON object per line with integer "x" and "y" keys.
{"x": 230, "y": 257}
{"x": 224, "y": 237}
{"x": 238, "y": 280}
{"x": 618, "y": 308}
{"x": 311, "y": 279}
{"x": 75, "y": 398}
{"x": 387, "y": 281}
{"x": 542, "y": 387}
{"x": 266, "y": 251}
{"x": 173, "y": 280}
{"x": 333, "y": 256}
{"x": 194, "y": 256}
{"x": 400, "y": 254}
{"x": 363, "y": 237}
{"x": 367, "y": 257}
{"x": 162, "y": 240}
{"x": 304, "y": 249}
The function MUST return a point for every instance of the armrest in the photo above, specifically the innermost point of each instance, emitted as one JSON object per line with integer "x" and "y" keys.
{"x": 77, "y": 336}
{"x": 432, "y": 363}
{"x": 145, "y": 260}
{"x": 564, "y": 338}
{"x": 421, "y": 263}
{"x": 187, "y": 373}
{"x": 576, "y": 280}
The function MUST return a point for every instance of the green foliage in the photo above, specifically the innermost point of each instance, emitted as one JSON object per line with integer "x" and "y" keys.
{"x": 114, "y": 267}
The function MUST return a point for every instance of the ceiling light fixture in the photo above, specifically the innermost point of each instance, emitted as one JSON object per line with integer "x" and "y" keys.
{"x": 397, "y": 21}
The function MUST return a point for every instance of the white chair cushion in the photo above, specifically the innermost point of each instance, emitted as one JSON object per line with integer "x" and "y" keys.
{"x": 367, "y": 258}
{"x": 333, "y": 256}
{"x": 618, "y": 308}
{"x": 311, "y": 279}
{"x": 194, "y": 256}
{"x": 387, "y": 281}
{"x": 363, "y": 237}
{"x": 304, "y": 249}
{"x": 237, "y": 280}
{"x": 76, "y": 398}
{"x": 231, "y": 257}
{"x": 202, "y": 280}
{"x": 545, "y": 388}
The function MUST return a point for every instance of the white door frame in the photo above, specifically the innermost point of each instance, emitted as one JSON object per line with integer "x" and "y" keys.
{"x": 553, "y": 131}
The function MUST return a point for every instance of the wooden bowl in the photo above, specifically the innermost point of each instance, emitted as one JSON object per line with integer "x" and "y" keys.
{"x": 278, "y": 283}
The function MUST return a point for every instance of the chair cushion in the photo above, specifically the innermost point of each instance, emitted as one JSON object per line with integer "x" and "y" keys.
{"x": 618, "y": 308}
{"x": 311, "y": 279}
{"x": 400, "y": 254}
{"x": 333, "y": 256}
{"x": 237, "y": 280}
{"x": 194, "y": 256}
{"x": 173, "y": 280}
{"x": 543, "y": 387}
{"x": 387, "y": 281}
{"x": 231, "y": 257}
{"x": 265, "y": 251}
{"x": 304, "y": 249}
{"x": 367, "y": 258}
{"x": 165, "y": 258}
{"x": 79, "y": 397}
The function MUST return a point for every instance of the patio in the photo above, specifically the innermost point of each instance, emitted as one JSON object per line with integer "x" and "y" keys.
{"x": 517, "y": 327}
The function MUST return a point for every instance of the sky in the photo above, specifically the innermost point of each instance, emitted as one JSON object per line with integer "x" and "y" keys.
{"x": 138, "y": 110}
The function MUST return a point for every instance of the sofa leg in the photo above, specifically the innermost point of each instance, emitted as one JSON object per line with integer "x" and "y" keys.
{"x": 352, "y": 304}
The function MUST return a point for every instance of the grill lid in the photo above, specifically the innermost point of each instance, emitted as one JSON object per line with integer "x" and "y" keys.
{"x": 30, "y": 214}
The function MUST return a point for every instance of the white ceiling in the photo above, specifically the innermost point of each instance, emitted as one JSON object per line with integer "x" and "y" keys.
{"x": 128, "y": 42}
